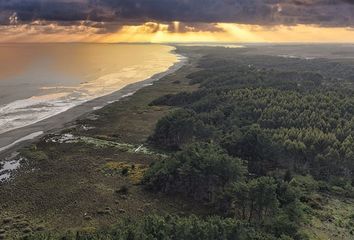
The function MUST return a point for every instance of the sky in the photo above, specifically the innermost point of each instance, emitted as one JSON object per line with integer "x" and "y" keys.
{"x": 161, "y": 21}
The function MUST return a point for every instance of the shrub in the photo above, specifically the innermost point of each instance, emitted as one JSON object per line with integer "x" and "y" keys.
{"x": 123, "y": 190}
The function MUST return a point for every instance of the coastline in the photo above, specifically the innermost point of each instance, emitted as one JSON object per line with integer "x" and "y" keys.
{"x": 57, "y": 184}
{"x": 15, "y": 139}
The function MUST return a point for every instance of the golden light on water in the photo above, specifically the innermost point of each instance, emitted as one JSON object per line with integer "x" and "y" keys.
{"x": 42, "y": 80}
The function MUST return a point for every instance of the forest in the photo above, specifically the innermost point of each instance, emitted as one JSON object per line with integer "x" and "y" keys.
{"x": 250, "y": 132}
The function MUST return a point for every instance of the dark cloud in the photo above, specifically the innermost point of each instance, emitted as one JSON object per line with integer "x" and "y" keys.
{"x": 196, "y": 14}
{"x": 348, "y": 1}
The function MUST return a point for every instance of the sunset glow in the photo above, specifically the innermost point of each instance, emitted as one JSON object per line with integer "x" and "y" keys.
{"x": 160, "y": 21}
{"x": 161, "y": 33}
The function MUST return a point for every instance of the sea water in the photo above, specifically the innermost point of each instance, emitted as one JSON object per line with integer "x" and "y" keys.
{"x": 38, "y": 81}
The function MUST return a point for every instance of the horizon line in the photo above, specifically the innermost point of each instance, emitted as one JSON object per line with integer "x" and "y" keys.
{"x": 181, "y": 43}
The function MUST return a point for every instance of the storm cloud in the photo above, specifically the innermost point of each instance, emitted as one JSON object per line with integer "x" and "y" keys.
{"x": 196, "y": 13}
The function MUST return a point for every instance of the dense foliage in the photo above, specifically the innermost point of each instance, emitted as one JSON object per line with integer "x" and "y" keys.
{"x": 273, "y": 119}
{"x": 170, "y": 228}
{"x": 262, "y": 125}
{"x": 201, "y": 171}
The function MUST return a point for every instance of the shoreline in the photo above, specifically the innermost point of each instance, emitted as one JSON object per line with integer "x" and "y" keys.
{"x": 15, "y": 139}
{"x": 56, "y": 184}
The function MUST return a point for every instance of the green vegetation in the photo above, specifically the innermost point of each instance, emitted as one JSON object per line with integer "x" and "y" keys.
{"x": 170, "y": 227}
{"x": 261, "y": 116}
{"x": 201, "y": 171}
{"x": 278, "y": 123}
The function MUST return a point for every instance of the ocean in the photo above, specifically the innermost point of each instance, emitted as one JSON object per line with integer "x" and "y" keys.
{"x": 38, "y": 81}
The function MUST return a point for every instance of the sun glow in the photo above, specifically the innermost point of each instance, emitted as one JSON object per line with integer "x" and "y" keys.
{"x": 228, "y": 32}
{"x": 162, "y": 32}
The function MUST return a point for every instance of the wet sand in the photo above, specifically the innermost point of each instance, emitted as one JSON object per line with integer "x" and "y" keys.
{"x": 17, "y": 138}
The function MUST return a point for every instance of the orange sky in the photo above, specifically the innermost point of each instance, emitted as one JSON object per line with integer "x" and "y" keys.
{"x": 160, "y": 33}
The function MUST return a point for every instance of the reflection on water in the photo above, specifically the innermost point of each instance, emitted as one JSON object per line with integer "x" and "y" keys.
{"x": 39, "y": 81}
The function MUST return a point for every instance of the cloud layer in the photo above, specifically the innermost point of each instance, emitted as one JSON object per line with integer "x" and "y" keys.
{"x": 100, "y": 19}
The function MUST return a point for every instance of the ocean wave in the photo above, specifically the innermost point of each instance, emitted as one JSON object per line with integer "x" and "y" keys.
{"x": 57, "y": 99}
{"x": 25, "y": 112}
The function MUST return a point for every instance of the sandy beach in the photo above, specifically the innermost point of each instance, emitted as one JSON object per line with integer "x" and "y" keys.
{"x": 17, "y": 138}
